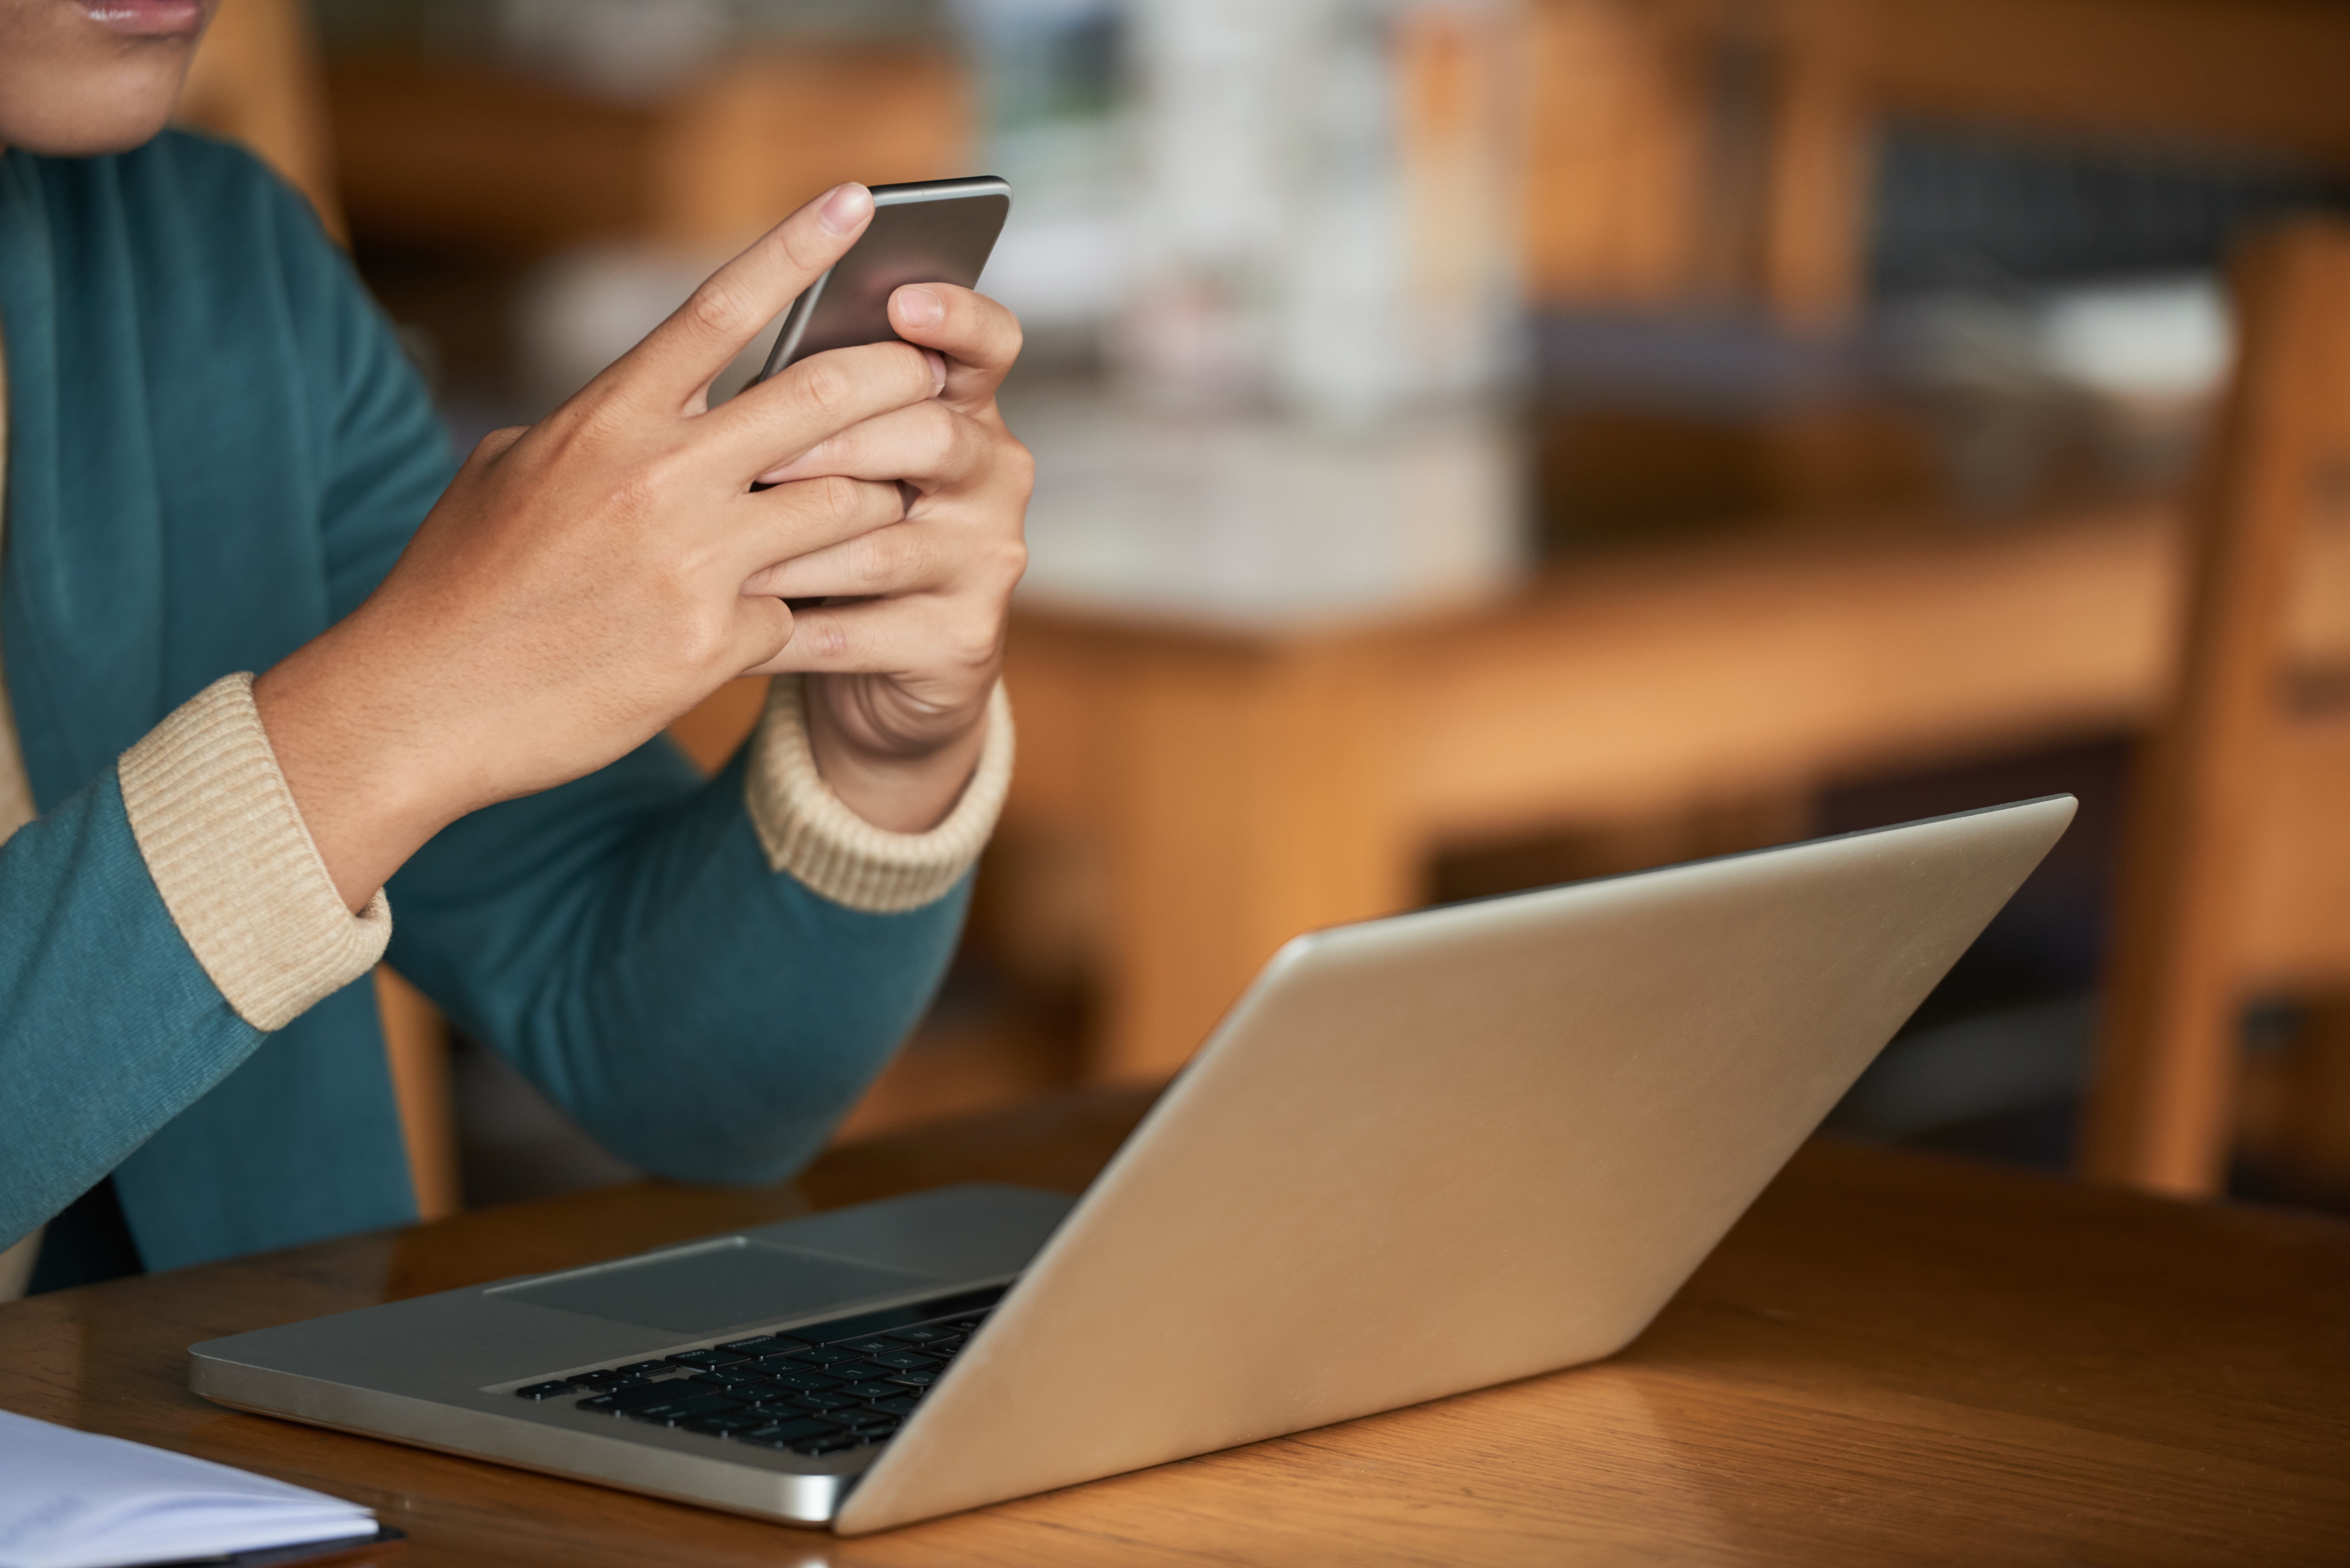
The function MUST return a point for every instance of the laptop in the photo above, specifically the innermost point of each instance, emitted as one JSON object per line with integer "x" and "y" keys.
{"x": 1420, "y": 1155}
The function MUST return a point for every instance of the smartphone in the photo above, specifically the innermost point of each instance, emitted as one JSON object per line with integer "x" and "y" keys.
{"x": 937, "y": 231}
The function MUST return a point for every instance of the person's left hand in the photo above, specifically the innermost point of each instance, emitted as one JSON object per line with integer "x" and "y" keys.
{"x": 904, "y": 649}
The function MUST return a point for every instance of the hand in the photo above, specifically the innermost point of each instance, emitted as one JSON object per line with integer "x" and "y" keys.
{"x": 904, "y": 651}
{"x": 580, "y": 584}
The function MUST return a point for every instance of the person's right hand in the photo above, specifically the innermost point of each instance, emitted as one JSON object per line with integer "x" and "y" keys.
{"x": 579, "y": 586}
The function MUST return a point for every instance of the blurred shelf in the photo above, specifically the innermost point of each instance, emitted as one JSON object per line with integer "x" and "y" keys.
{"x": 435, "y": 150}
{"x": 1694, "y": 151}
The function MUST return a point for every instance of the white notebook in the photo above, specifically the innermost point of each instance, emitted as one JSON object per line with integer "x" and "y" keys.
{"x": 75, "y": 1500}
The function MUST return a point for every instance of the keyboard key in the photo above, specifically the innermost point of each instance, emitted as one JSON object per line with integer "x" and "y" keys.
{"x": 923, "y": 1333}
{"x": 905, "y": 1361}
{"x": 872, "y": 1345}
{"x": 755, "y": 1392}
{"x": 824, "y": 1355}
{"x": 643, "y": 1368}
{"x": 813, "y": 1447}
{"x": 858, "y": 1371}
{"x": 917, "y": 1378}
{"x": 766, "y": 1344}
{"x": 636, "y": 1396}
{"x": 722, "y": 1425}
{"x": 803, "y": 1382}
{"x": 875, "y": 1390}
{"x": 824, "y": 1402}
{"x": 604, "y": 1379}
{"x": 546, "y": 1390}
{"x": 898, "y": 1407}
{"x": 709, "y": 1357}
{"x": 599, "y": 1404}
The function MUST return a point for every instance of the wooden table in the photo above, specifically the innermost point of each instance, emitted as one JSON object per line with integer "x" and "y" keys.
{"x": 1894, "y": 1358}
{"x": 1229, "y": 786}
{"x": 1235, "y": 785}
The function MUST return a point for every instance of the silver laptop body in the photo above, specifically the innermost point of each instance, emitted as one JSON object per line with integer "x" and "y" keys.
{"x": 1420, "y": 1155}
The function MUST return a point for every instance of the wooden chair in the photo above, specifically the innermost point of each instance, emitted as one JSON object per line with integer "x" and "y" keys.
{"x": 2237, "y": 884}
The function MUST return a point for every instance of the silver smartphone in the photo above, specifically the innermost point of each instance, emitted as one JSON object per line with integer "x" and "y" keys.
{"x": 936, "y": 230}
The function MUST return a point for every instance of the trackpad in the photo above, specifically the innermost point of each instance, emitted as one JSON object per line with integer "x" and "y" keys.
{"x": 718, "y": 1286}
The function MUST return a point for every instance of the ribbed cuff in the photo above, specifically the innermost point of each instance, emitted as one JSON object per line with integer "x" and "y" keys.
{"x": 807, "y": 831}
{"x": 236, "y": 864}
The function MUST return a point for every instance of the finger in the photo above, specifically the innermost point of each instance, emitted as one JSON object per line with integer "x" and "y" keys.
{"x": 775, "y": 422}
{"x": 793, "y": 519}
{"x": 675, "y": 364}
{"x": 496, "y": 444}
{"x": 900, "y": 558}
{"x": 762, "y": 629}
{"x": 884, "y": 637}
{"x": 925, "y": 442}
{"x": 980, "y": 337}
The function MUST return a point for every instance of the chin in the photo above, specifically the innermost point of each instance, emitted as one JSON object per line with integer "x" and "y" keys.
{"x": 86, "y": 135}
{"x": 72, "y": 88}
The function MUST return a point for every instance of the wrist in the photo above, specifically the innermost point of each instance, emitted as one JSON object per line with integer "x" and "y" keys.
{"x": 893, "y": 782}
{"x": 360, "y": 757}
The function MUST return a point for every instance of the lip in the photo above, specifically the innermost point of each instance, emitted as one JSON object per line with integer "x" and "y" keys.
{"x": 146, "y": 18}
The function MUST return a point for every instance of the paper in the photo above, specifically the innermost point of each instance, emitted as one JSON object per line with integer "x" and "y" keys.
{"x": 75, "y": 1500}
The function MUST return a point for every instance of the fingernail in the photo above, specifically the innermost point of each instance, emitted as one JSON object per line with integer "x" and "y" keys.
{"x": 938, "y": 370}
{"x": 844, "y": 207}
{"x": 921, "y": 307}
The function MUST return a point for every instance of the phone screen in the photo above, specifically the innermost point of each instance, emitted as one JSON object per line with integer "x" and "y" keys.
{"x": 940, "y": 231}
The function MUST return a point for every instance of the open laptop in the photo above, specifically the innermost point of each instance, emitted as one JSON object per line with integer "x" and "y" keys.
{"x": 1420, "y": 1155}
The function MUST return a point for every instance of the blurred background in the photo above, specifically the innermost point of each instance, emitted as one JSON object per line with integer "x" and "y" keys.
{"x": 1483, "y": 443}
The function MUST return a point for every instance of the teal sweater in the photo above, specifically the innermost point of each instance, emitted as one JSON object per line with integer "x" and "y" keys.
{"x": 216, "y": 449}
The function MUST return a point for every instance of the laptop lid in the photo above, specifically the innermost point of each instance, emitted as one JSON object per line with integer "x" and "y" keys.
{"x": 1451, "y": 1148}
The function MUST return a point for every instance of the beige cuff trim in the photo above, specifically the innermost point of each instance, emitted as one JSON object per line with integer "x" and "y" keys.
{"x": 807, "y": 831}
{"x": 236, "y": 864}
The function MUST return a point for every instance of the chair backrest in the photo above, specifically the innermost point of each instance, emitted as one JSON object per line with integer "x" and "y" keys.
{"x": 2237, "y": 879}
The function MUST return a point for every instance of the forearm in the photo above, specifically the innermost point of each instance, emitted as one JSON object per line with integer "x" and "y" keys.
{"x": 109, "y": 1025}
{"x": 154, "y": 928}
{"x": 376, "y": 760}
{"x": 626, "y": 942}
{"x": 728, "y": 1049}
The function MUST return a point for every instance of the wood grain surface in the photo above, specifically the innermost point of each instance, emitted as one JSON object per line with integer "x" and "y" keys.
{"x": 1894, "y": 1358}
{"x": 1236, "y": 786}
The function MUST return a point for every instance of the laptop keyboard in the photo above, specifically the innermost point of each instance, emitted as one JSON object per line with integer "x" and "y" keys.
{"x": 816, "y": 1389}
